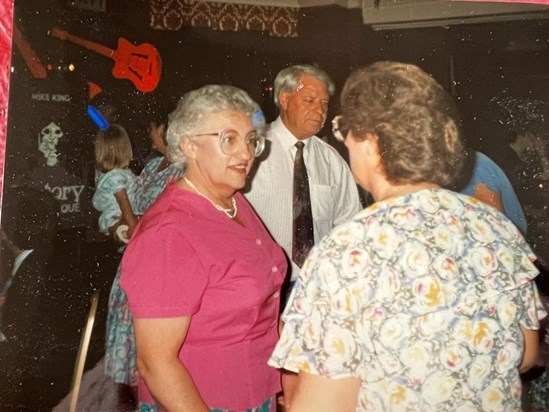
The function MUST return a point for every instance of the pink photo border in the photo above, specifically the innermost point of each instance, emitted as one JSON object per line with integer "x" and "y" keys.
{"x": 6, "y": 29}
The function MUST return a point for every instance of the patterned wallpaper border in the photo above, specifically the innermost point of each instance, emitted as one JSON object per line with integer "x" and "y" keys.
{"x": 174, "y": 14}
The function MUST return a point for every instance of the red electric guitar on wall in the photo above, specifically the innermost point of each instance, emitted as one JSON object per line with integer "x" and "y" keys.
{"x": 141, "y": 64}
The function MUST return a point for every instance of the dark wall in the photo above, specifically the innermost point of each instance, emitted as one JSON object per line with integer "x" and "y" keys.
{"x": 486, "y": 59}
{"x": 497, "y": 71}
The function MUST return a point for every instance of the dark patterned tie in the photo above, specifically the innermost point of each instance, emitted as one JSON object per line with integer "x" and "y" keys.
{"x": 303, "y": 236}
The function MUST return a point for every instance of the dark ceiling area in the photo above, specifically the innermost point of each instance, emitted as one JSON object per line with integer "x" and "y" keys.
{"x": 480, "y": 63}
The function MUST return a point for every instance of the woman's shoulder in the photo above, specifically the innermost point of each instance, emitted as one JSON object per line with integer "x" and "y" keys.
{"x": 153, "y": 171}
{"x": 152, "y": 165}
{"x": 175, "y": 214}
{"x": 385, "y": 222}
{"x": 174, "y": 204}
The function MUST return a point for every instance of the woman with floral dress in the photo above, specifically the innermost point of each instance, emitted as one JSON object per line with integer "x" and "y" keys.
{"x": 120, "y": 359}
{"x": 425, "y": 300}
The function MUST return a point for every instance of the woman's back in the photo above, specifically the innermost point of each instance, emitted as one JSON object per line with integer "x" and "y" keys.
{"x": 423, "y": 303}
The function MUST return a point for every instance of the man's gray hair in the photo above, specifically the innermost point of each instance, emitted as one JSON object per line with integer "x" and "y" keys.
{"x": 195, "y": 105}
{"x": 288, "y": 79}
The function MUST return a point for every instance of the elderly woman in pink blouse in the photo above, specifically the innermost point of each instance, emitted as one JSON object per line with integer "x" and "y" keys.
{"x": 201, "y": 272}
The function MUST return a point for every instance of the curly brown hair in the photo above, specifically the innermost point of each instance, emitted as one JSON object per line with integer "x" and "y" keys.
{"x": 415, "y": 119}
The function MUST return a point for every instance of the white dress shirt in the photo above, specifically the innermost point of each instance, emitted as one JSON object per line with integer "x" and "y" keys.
{"x": 334, "y": 194}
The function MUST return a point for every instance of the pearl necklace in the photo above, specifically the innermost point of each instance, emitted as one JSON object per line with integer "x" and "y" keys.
{"x": 230, "y": 212}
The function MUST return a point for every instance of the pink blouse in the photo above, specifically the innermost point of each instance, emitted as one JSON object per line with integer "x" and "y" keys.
{"x": 188, "y": 259}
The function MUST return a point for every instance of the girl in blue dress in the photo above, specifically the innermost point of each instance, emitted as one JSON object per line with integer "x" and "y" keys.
{"x": 115, "y": 183}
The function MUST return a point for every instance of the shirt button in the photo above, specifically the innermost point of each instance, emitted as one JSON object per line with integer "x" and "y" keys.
{"x": 276, "y": 294}
{"x": 258, "y": 241}
{"x": 274, "y": 269}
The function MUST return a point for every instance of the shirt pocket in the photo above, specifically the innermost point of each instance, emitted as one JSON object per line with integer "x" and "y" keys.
{"x": 323, "y": 206}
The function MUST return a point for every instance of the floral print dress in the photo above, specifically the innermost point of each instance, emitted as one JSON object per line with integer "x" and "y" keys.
{"x": 421, "y": 297}
{"x": 120, "y": 356}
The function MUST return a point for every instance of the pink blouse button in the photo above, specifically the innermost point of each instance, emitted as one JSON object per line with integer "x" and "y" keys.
{"x": 258, "y": 241}
{"x": 274, "y": 269}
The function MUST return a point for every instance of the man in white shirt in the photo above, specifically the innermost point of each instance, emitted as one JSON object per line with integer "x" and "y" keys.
{"x": 302, "y": 94}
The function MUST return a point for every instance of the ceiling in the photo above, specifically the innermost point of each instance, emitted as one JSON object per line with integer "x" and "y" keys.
{"x": 397, "y": 14}
{"x": 298, "y": 3}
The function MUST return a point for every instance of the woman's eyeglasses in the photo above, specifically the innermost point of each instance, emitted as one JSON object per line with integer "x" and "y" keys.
{"x": 230, "y": 141}
{"x": 339, "y": 128}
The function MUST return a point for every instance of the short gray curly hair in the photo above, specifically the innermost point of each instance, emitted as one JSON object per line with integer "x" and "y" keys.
{"x": 197, "y": 104}
{"x": 288, "y": 79}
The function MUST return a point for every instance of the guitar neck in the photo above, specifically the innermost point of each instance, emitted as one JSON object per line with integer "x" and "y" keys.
{"x": 90, "y": 45}
{"x": 38, "y": 70}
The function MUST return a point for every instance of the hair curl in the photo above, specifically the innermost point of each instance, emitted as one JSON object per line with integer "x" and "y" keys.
{"x": 195, "y": 105}
{"x": 415, "y": 119}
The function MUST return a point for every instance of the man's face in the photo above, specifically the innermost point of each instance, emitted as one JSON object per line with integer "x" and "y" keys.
{"x": 304, "y": 110}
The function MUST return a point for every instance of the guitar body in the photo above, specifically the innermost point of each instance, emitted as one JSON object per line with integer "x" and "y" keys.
{"x": 140, "y": 64}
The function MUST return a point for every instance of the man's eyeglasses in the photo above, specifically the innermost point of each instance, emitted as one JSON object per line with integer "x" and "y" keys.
{"x": 230, "y": 141}
{"x": 340, "y": 128}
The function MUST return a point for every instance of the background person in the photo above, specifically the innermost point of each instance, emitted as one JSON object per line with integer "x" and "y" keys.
{"x": 201, "y": 273}
{"x": 302, "y": 94}
{"x": 115, "y": 183}
{"x": 486, "y": 181}
{"x": 424, "y": 300}
{"x": 525, "y": 162}
{"x": 120, "y": 356}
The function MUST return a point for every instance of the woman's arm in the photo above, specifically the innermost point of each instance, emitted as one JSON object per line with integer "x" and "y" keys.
{"x": 484, "y": 194}
{"x": 316, "y": 393}
{"x": 289, "y": 383}
{"x": 531, "y": 346}
{"x": 128, "y": 217}
{"x": 158, "y": 342}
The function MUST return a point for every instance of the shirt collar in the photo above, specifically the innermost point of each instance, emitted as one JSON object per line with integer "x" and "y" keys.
{"x": 286, "y": 138}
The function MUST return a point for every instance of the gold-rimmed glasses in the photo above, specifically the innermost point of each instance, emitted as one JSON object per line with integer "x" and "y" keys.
{"x": 230, "y": 141}
{"x": 339, "y": 128}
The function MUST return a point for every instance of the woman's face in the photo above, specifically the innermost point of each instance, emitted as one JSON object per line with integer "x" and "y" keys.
{"x": 224, "y": 174}
{"x": 156, "y": 133}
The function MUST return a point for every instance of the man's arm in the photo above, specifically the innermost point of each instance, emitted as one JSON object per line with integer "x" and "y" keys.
{"x": 158, "y": 342}
{"x": 316, "y": 393}
{"x": 484, "y": 194}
